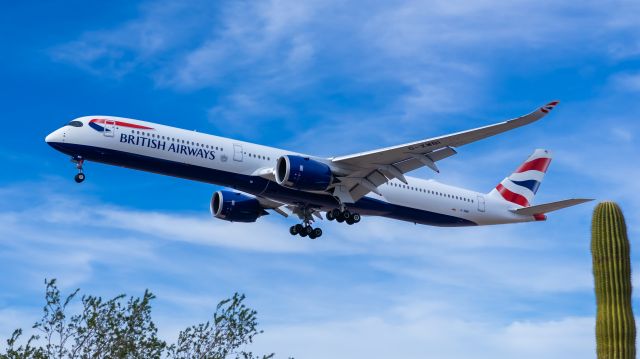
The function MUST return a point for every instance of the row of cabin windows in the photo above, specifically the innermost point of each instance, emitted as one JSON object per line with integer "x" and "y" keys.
{"x": 460, "y": 198}
{"x": 260, "y": 157}
{"x": 177, "y": 140}
{"x": 173, "y": 139}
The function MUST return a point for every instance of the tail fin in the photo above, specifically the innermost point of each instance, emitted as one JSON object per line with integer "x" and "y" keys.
{"x": 521, "y": 186}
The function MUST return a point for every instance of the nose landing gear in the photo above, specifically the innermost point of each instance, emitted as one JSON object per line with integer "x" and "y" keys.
{"x": 79, "y": 161}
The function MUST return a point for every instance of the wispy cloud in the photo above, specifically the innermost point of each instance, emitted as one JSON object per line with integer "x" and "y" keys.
{"x": 433, "y": 330}
{"x": 282, "y": 64}
{"x": 626, "y": 82}
{"x": 332, "y": 78}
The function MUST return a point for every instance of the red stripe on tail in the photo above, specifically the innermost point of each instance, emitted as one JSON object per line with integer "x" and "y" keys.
{"x": 539, "y": 164}
{"x": 512, "y": 197}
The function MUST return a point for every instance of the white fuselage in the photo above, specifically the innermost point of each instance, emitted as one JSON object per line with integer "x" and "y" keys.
{"x": 227, "y": 162}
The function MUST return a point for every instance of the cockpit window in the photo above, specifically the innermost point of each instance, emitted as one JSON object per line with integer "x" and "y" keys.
{"x": 75, "y": 124}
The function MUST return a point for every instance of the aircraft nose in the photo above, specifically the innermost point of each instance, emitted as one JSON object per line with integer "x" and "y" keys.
{"x": 55, "y": 136}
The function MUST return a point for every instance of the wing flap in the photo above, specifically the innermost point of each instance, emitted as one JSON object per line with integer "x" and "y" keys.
{"x": 550, "y": 207}
{"x": 272, "y": 205}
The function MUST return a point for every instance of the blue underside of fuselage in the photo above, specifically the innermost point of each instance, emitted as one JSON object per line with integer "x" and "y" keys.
{"x": 256, "y": 185}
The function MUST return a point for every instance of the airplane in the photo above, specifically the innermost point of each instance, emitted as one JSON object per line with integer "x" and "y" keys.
{"x": 344, "y": 188}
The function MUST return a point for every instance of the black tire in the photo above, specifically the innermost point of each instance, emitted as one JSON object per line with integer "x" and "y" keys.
{"x": 308, "y": 230}
{"x": 312, "y": 236}
{"x": 79, "y": 178}
{"x": 356, "y": 217}
{"x": 346, "y": 214}
{"x": 336, "y": 213}
{"x": 330, "y": 216}
{"x": 293, "y": 230}
{"x": 302, "y": 234}
{"x": 299, "y": 228}
{"x": 350, "y": 221}
{"x": 340, "y": 219}
{"x": 317, "y": 232}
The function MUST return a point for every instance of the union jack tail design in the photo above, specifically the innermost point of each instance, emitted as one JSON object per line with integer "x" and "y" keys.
{"x": 521, "y": 186}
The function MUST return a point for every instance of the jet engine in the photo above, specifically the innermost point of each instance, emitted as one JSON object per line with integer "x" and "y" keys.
{"x": 302, "y": 173}
{"x": 235, "y": 207}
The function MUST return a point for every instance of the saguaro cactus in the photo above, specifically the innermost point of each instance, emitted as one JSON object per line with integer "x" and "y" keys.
{"x": 615, "y": 324}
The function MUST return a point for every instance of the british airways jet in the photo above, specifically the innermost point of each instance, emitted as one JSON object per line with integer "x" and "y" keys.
{"x": 344, "y": 188}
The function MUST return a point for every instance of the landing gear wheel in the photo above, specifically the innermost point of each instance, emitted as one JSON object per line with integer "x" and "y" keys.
{"x": 335, "y": 213}
{"x": 293, "y": 230}
{"x": 350, "y": 221}
{"x": 340, "y": 218}
{"x": 303, "y": 233}
{"x": 308, "y": 230}
{"x": 317, "y": 232}
{"x": 299, "y": 228}
{"x": 79, "y": 161}
{"x": 330, "y": 216}
{"x": 356, "y": 218}
{"x": 346, "y": 214}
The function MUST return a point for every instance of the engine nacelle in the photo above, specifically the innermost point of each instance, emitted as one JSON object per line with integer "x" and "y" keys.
{"x": 302, "y": 173}
{"x": 235, "y": 207}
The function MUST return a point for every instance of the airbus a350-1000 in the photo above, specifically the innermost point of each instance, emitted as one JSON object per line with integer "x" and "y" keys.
{"x": 343, "y": 188}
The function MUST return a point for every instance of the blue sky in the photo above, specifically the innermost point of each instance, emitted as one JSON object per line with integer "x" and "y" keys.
{"x": 327, "y": 78}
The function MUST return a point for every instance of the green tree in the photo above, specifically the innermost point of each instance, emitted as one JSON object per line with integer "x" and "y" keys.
{"x": 123, "y": 328}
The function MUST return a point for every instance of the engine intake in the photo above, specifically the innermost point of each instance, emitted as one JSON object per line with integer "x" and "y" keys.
{"x": 235, "y": 207}
{"x": 302, "y": 173}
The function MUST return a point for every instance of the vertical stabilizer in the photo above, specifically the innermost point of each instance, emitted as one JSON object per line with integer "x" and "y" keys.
{"x": 521, "y": 186}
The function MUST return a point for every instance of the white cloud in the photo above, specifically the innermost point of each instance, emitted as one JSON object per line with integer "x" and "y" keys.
{"x": 433, "y": 331}
{"x": 626, "y": 82}
{"x": 408, "y": 62}
{"x": 379, "y": 288}
{"x": 405, "y": 68}
{"x": 265, "y": 39}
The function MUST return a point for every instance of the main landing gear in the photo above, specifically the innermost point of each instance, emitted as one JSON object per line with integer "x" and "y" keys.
{"x": 304, "y": 230}
{"x": 79, "y": 161}
{"x": 343, "y": 216}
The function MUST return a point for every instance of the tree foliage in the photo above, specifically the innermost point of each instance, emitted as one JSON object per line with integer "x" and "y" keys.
{"x": 122, "y": 327}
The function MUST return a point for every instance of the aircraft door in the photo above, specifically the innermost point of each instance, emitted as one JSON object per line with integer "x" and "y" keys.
{"x": 109, "y": 128}
{"x": 237, "y": 152}
{"x": 481, "y": 206}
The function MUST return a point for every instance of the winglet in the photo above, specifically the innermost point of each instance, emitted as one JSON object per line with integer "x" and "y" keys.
{"x": 548, "y": 107}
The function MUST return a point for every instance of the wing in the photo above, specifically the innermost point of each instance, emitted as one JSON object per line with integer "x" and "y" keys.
{"x": 367, "y": 170}
{"x": 273, "y": 205}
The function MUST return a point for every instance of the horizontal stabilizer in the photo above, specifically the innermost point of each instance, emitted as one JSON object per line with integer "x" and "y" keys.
{"x": 550, "y": 207}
